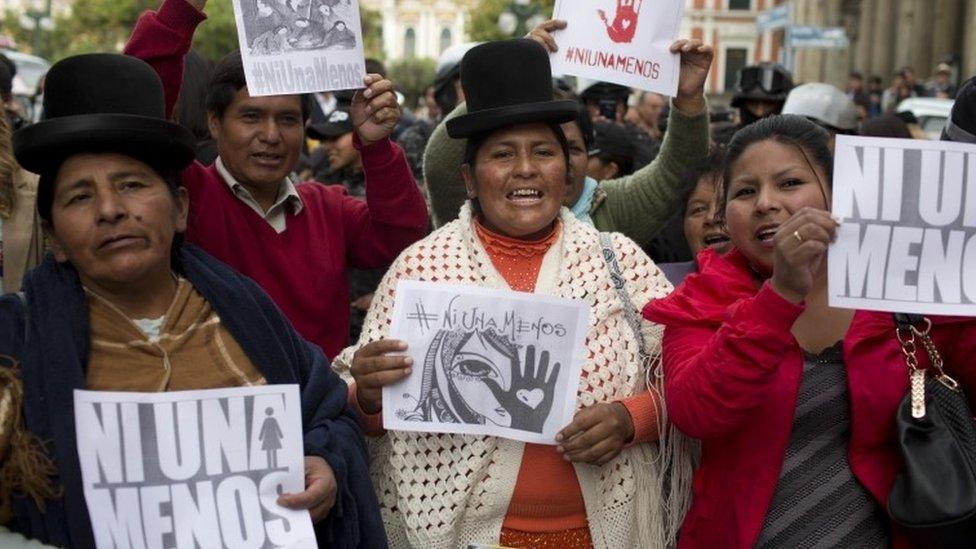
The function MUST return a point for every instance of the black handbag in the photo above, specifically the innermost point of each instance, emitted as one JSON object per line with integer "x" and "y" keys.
{"x": 934, "y": 498}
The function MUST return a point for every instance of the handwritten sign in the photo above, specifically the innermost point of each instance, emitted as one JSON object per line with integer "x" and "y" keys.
{"x": 193, "y": 468}
{"x": 621, "y": 41}
{"x": 908, "y": 238}
{"x": 486, "y": 362}
{"x": 300, "y": 46}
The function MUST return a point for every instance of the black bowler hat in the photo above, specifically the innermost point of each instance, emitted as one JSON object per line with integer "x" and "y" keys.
{"x": 507, "y": 82}
{"x": 103, "y": 102}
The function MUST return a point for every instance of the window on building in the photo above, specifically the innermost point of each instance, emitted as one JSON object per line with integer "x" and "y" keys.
{"x": 735, "y": 59}
{"x": 445, "y": 39}
{"x": 740, "y": 4}
{"x": 409, "y": 42}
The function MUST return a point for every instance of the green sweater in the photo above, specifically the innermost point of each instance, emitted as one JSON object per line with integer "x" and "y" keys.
{"x": 637, "y": 205}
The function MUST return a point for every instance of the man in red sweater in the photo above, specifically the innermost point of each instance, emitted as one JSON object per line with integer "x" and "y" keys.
{"x": 296, "y": 241}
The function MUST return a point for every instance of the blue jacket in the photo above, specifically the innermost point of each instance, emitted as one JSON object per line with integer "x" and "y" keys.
{"x": 54, "y": 353}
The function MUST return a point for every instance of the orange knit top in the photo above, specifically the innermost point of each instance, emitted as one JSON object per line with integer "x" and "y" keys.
{"x": 547, "y": 495}
{"x": 547, "y": 499}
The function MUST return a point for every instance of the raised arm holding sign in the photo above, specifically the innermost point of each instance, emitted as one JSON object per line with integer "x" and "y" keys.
{"x": 621, "y": 41}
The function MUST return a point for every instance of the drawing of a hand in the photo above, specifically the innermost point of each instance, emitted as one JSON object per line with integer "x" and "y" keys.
{"x": 529, "y": 398}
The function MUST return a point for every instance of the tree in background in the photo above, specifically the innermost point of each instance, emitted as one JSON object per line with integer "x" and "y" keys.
{"x": 412, "y": 75}
{"x": 483, "y": 21}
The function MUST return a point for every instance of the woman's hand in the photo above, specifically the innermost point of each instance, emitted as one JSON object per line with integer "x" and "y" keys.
{"x": 696, "y": 62}
{"x": 320, "y": 490}
{"x": 801, "y": 249}
{"x": 373, "y": 370}
{"x": 542, "y": 33}
{"x": 597, "y": 434}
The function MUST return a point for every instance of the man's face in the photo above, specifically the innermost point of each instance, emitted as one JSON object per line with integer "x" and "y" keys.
{"x": 342, "y": 153}
{"x": 650, "y": 108}
{"x": 259, "y": 138}
{"x": 854, "y": 84}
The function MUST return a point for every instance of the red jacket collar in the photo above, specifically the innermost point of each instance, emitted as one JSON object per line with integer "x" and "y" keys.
{"x": 705, "y": 296}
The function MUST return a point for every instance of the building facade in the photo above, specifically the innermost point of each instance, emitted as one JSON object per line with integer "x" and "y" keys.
{"x": 884, "y": 35}
{"x": 730, "y": 27}
{"x": 421, "y": 28}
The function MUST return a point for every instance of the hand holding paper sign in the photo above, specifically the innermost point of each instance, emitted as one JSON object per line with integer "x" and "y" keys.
{"x": 375, "y": 111}
{"x": 373, "y": 369}
{"x": 320, "y": 490}
{"x": 801, "y": 249}
{"x": 696, "y": 62}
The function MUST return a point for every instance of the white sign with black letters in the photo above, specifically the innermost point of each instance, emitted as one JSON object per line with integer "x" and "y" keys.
{"x": 193, "y": 468}
{"x": 486, "y": 361}
{"x": 626, "y": 42}
{"x": 907, "y": 242}
{"x": 300, "y": 46}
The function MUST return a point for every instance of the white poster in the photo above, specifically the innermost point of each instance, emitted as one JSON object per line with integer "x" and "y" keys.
{"x": 621, "y": 41}
{"x": 300, "y": 46}
{"x": 907, "y": 242}
{"x": 486, "y": 362}
{"x": 193, "y": 468}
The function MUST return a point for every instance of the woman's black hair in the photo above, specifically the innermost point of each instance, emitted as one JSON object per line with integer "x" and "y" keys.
{"x": 475, "y": 143}
{"x": 811, "y": 140}
{"x": 714, "y": 165}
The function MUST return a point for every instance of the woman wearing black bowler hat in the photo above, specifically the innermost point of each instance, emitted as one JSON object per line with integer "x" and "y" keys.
{"x": 122, "y": 305}
{"x": 606, "y": 483}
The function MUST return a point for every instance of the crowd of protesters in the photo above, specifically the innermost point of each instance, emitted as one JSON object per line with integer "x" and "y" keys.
{"x": 163, "y": 230}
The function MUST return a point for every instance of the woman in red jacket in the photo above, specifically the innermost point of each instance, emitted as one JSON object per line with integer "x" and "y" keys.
{"x": 794, "y": 401}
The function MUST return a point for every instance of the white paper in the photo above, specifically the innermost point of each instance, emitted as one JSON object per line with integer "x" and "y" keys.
{"x": 621, "y": 41}
{"x": 486, "y": 362}
{"x": 300, "y": 46}
{"x": 193, "y": 468}
{"x": 907, "y": 242}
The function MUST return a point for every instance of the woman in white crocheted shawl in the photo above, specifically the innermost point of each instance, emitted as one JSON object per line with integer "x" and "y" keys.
{"x": 619, "y": 476}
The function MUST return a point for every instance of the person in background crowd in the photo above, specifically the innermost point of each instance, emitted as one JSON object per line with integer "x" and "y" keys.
{"x": 855, "y": 88}
{"x": 941, "y": 85}
{"x": 447, "y": 94}
{"x": 912, "y": 84}
{"x": 896, "y": 92}
{"x": 702, "y": 221}
{"x": 961, "y": 125}
{"x": 296, "y": 241}
{"x": 609, "y": 483}
{"x": 790, "y": 397}
{"x": 760, "y": 91}
{"x": 887, "y": 125}
{"x": 613, "y": 155}
{"x": 21, "y": 241}
{"x": 607, "y": 102}
{"x": 638, "y": 205}
{"x": 875, "y": 96}
{"x": 646, "y": 114}
{"x": 432, "y": 112}
{"x": 826, "y": 105}
{"x": 123, "y": 305}
{"x": 191, "y": 107}
{"x": 11, "y": 107}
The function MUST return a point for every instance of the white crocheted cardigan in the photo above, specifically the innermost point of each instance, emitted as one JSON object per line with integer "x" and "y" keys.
{"x": 445, "y": 491}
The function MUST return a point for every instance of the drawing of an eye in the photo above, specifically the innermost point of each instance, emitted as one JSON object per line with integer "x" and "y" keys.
{"x": 475, "y": 369}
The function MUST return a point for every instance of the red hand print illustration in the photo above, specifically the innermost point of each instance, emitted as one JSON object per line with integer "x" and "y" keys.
{"x": 624, "y": 23}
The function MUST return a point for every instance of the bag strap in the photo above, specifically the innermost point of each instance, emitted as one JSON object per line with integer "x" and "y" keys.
{"x": 619, "y": 284}
{"x": 910, "y": 328}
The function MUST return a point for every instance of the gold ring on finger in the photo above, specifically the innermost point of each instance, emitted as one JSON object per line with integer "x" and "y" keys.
{"x": 797, "y": 236}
